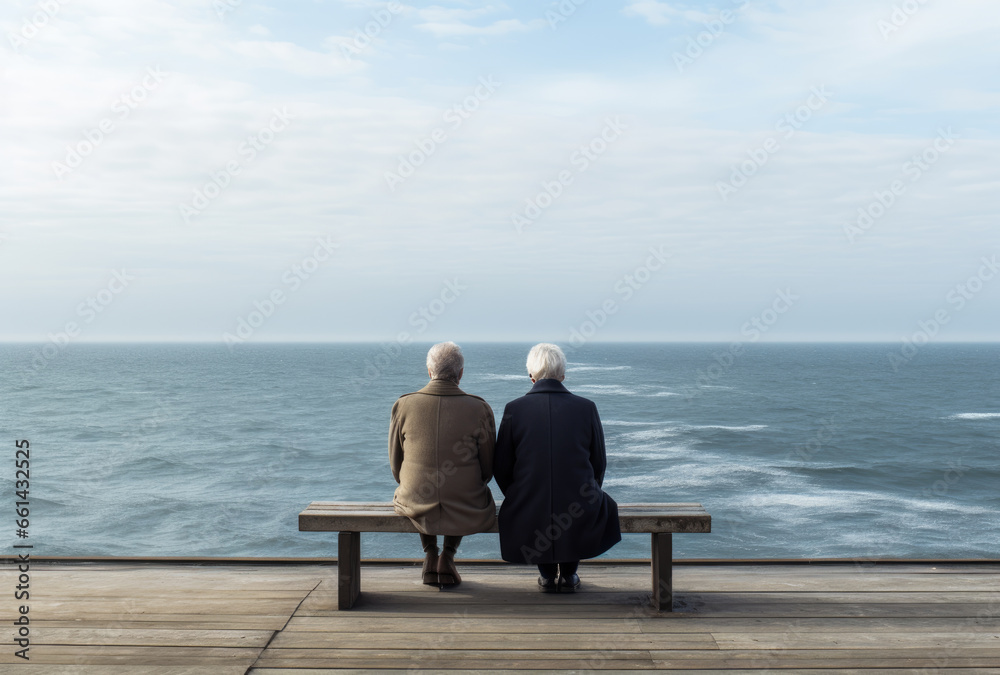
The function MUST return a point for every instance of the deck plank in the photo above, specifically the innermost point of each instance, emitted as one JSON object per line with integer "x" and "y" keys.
{"x": 92, "y": 635}
{"x": 185, "y": 619}
{"x": 305, "y": 642}
{"x": 131, "y": 669}
{"x": 611, "y": 671}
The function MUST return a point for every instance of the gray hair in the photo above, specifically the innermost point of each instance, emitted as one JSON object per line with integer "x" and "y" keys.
{"x": 546, "y": 360}
{"x": 445, "y": 361}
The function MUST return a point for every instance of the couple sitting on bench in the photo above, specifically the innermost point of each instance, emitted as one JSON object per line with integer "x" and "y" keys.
{"x": 548, "y": 460}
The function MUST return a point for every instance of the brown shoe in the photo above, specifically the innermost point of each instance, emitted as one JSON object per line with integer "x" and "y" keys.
{"x": 429, "y": 573}
{"x": 446, "y": 571}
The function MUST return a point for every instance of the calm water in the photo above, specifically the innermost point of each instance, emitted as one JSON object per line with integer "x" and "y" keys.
{"x": 796, "y": 450}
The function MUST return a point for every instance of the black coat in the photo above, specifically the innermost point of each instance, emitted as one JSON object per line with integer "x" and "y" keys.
{"x": 549, "y": 463}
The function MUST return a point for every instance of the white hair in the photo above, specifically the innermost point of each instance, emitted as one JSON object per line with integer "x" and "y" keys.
{"x": 546, "y": 360}
{"x": 445, "y": 361}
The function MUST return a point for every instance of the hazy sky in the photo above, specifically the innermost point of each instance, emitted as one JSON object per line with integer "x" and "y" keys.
{"x": 344, "y": 169}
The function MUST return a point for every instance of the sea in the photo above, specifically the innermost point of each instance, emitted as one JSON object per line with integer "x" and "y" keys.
{"x": 857, "y": 451}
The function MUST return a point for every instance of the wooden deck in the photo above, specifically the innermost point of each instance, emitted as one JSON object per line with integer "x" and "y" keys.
{"x": 164, "y": 618}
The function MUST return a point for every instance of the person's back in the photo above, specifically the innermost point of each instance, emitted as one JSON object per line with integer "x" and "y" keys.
{"x": 443, "y": 440}
{"x": 550, "y": 463}
{"x": 558, "y": 447}
{"x": 441, "y": 443}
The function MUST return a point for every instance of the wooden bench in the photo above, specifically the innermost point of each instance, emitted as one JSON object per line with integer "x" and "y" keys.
{"x": 350, "y": 519}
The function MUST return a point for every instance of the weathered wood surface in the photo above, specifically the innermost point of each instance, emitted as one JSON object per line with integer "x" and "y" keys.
{"x": 173, "y": 619}
{"x": 660, "y": 521}
{"x": 380, "y": 517}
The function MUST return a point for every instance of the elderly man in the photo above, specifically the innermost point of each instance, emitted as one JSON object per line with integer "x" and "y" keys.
{"x": 441, "y": 443}
{"x": 550, "y": 463}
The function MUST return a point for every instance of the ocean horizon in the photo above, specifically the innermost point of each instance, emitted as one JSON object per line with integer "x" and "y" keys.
{"x": 808, "y": 449}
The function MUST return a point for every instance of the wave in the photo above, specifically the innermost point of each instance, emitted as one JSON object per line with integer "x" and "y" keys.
{"x": 152, "y": 466}
{"x": 854, "y": 501}
{"x": 648, "y": 435}
{"x": 501, "y": 376}
{"x": 975, "y": 416}
{"x": 582, "y": 368}
{"x": 665, "y": 393}
{"x": 668, "y": 428}
{"x": 707, "y": 474}
{"x": 648, "y": 452}
{"x": 616, "y": 389}
{"x": 627, "y": 423}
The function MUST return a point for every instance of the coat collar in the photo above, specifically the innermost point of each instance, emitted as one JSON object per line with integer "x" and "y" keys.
{"x": 442, "y": 388}
{"x": 548, "y": 386}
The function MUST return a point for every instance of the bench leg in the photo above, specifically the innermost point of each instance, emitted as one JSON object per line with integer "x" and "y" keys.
{"x": 663, "y": 564}
{"x": 348, "y": 569}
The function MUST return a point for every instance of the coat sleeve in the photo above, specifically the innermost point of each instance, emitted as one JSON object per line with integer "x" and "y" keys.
{"x": 503, "y": 461}
{"x": 487, "y": 443}
{"x": 598, "y": 454}
{"x": 395, "y": 441}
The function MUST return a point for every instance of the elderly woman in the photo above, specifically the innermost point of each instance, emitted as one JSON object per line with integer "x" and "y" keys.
{"x": 441, "y": 443}
{"x": 550, "y": 463}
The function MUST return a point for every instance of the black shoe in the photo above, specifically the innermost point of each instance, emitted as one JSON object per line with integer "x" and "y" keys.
{"x": 569, "y": 584}
{"x": 548, "y": 585}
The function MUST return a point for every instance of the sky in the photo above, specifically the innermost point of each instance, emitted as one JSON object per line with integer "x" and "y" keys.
{"x": 248, "y": 171}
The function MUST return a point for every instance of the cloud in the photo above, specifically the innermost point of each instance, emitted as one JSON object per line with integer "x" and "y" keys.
{"x": 661, "y": 13}
{"x": 460, "y": 29}
{"x": 450, "y": 22}
{"x": 656, "y": 13}
{"x": 656, "y": 184}
{"x": 293, "y": 59}
{"x": 436, "y": 13}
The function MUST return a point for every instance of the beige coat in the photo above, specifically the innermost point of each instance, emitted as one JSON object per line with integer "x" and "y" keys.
{"x": 441, "y": 444}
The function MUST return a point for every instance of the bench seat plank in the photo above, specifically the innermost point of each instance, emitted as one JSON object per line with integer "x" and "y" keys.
{"x": 350, "y": 519}
{"x": 380, "y": 517}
